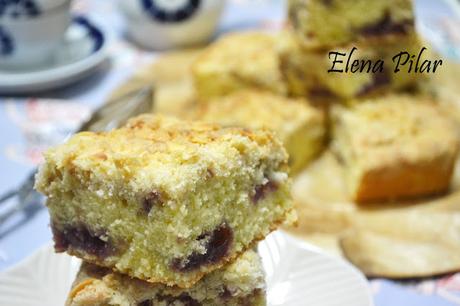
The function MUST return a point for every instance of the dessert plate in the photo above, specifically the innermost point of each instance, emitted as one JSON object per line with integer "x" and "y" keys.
{"x": 297, "y": 275}
{"x": 82, "y": 50}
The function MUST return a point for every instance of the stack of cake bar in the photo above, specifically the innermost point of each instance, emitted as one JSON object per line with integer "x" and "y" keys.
{"x": 238, "y": 82}
{"x": 167, "y": 212}
{"x": 348, "y": 31}
{"x": 384, "y": 125}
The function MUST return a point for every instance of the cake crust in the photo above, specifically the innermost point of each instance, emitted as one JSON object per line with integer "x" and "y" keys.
{"x": 237, "y": 284}
{"x": 395, "y": 147}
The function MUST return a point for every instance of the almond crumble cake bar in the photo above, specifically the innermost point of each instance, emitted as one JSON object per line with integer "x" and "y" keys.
{"x": 395, "y": 147}
{"x": 300, "y": 126}
{"x": 306, "y": 71}
{"x": 238, "y": 61}
{"x": 241, "y": 283}
{"x": 320, "y": 24}
{"x": 165, "y": 200}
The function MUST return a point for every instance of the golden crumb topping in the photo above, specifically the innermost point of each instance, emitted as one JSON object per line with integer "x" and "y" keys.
{"x": 238, "y": 61}
{"x": 410, "y": 127}
{"x": 224, "y": 53}
{"x": 162, "y": 151}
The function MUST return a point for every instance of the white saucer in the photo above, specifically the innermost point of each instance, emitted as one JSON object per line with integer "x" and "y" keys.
{"x": 297, "y": 275}
{"x": 82, "y": 50}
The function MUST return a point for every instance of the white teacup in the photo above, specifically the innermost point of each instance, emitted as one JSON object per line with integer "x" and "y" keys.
{"x": 29, "y": 38}
{"x": 165, "y": 24}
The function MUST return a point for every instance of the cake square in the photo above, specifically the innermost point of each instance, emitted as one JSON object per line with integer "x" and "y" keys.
{"x": 395, "y": 147}
{"x": 307, "y": 71}
{"x": 320, "y": 24}
{"x": 165, "y": 200}
{"x": 241, "y": 283}
{"x": 238, "y": 61}
{"x": 300, "y": 126}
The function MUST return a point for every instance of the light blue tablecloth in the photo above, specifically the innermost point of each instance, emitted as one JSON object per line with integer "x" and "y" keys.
{"x": 25, "y": 126}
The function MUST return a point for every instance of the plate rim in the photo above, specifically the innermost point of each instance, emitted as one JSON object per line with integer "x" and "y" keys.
{"x": 47, "y": 249}
{"x": 58, "y": 76}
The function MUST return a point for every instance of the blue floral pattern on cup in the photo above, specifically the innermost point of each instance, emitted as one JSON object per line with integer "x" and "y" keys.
{"x": 179, "y": 14}
{"x": 18, "y": 8}
{"x": 93, "y": 32}
{"x": 6, "y": 43}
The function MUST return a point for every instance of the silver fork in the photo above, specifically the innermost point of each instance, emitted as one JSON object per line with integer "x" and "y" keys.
{"x": 109, "y": 116}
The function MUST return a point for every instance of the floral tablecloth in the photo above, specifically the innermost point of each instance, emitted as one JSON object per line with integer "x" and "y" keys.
{"x": 27, "y": 125}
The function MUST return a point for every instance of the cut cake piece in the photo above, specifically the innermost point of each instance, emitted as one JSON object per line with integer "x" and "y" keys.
{"x": 165, "y": 200}
{"x": 238, "y": 61}
{"x": 320, "y": 24}
{"x": 395, "y": 147}
{"x": 241, "y": 283}
{"x": 307, "y": 71}
{"x": 300, "y": 126}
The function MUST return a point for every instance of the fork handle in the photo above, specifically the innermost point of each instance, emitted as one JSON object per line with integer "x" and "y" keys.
{"x": 8, "y": 195}
{"x": 22, "y": 191}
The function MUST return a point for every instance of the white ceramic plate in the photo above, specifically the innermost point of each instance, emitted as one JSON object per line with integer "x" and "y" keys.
{"x": 82, "y": 50}
{"x": 297, "y": 275}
